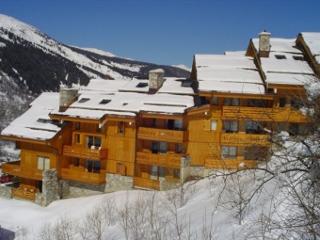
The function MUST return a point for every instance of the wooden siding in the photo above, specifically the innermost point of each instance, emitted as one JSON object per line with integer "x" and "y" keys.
{"x": 169, "y": 160}
{"x": 243, "y": 139}
{"x": 84, "y": 152}
{"x": 17, "y": 170}
{"x": 146, "y": 183}
{"x": 165, "y": 135}
{"x": 229, "y": 163}
{"x": 80, "y": 175}
{"x": 276, "y": 114}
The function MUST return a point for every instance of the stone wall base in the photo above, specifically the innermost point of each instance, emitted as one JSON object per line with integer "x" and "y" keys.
{"x": 197, "y": 171}
{"x": 5, "y": 191}
{"x": 117, "y": 182}
{"x": 168, "y": 185}
{"x": 77, "y": 189}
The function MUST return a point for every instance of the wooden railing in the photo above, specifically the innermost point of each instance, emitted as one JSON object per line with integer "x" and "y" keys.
{"x": 84, "y": 152}
{"x": 165, "y": 135}
{"x": 276, "y": 114}
{"x": 146, "y": 183}
{"x": 243, "y": 139}
{"x": 169, "y": 160}
{"x": 16, "y": 170}
{"x": 237, "y": 163}
{"x": 24, "y": 192}
{"x": 80, "y": 174}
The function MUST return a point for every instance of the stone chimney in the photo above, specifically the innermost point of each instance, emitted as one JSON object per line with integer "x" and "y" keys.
{"x": 66, "y": 97}
{"x": 156, "y": 79}
{"x": 264, "y": 44}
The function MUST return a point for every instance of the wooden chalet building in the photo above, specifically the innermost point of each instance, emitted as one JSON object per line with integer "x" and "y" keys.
{"x": 156, "y": 133}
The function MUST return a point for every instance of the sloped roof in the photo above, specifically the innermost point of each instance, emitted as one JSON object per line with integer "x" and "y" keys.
{"x": 35, "y": 122}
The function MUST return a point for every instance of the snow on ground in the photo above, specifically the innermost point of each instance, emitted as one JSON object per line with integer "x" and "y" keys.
{"x": 201, "y": 200}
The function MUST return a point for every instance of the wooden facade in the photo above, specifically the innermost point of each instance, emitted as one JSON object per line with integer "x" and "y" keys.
{"x": 223, "y": 130}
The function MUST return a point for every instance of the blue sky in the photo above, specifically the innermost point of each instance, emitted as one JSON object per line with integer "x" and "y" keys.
{"x": 165, "y": 31}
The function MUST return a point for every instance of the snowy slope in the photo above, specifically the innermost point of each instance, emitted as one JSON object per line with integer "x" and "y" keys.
{"x": 200, "y": 204}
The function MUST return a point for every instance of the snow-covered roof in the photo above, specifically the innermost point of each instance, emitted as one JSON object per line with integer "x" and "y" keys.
{"x": 312, "y": 39}
{"x": 289, "y": 78}
{"x": 280, "y": 45}
{"x": 235, "y": 53}
{"x": 136, "y": 85}
{"x": 35, "y": 122}
{"x": 223, "y": 61}
{"x": 228, "y": 73}
{"x": 104, "y": 86}
{"x": 285, "y": 63}
{"x": 176, "y": 86}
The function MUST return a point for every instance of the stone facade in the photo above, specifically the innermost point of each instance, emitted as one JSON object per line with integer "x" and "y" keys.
{"x": 77, "y": 189}
{"x": 5, "y": 192}
{"x": 50, "y": 188}
{"x": 168, "y": 185}
{"x": 117, "y": 182}
{"x": 197, "y": 171}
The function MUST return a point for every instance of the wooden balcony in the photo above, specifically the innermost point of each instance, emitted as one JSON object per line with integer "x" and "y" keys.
{"x": 243, "y": 139}
{"x": 84, "y": 152}
{"x": 24, "y": 192}
{"x": 15, "y": 169}
{"x": 237, "y": 163}
{"x": 165, "y": 135}
{"x": 79, "y": 174}
{"x": 146, "y": 183}
{"x": 169, "y": 160}
{"x": 276, "y": 114}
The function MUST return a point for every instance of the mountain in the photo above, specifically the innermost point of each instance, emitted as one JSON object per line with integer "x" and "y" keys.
{"x": 32, "y": 62}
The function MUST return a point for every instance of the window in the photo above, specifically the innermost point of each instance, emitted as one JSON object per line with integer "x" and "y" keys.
{"x": 142, "y": 85}
{"x": 43, "y": 163}
{"x": 296, "y": 103}
{"x": 178, "y": 124}
{"x": 163, "y": 147}
{"x": 83, "y": 100}
{"x": 93, "y": 141}
{"x": 282, "y": 102}
{"x": 203, "y": 100}
{"x": 280, "y": 57}
{"x": 213, "y": 125}
{"x": 77, "y": 126}
{"x": 231, "y": 101}
{"x": 170, "y": 124}
{"x": 257, "y": 103}
{"x": 77, "y": 138}
{"x": 298, "y": 58}
{"x": 121, "y": 128}
{"x": 214, "y": 101}
{"x": 179, "y": 148}
{"x": 229, "y": 152}
{"x": 252, "y": 127}
{"x": 105, "y": 101}
{"x": 92, "y": 166}
{"x": 155, "y": 147}
{"x": 154, "y": 170}
{"x": 230, "y": 126}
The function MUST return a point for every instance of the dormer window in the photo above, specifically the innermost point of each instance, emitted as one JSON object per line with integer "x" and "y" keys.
{"x": 280, "y": 57}
{"x": 83, "y": 100}
{"x": 298, "y": 58}
{"x": 142, "y": 85}
{"x": 105, "y": 101}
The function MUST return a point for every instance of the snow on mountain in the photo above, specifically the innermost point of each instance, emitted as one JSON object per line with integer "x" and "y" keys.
{"x": 98, "y": 51}
{"x": 32, "y": 62}
{"x": 182, "y": 66}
